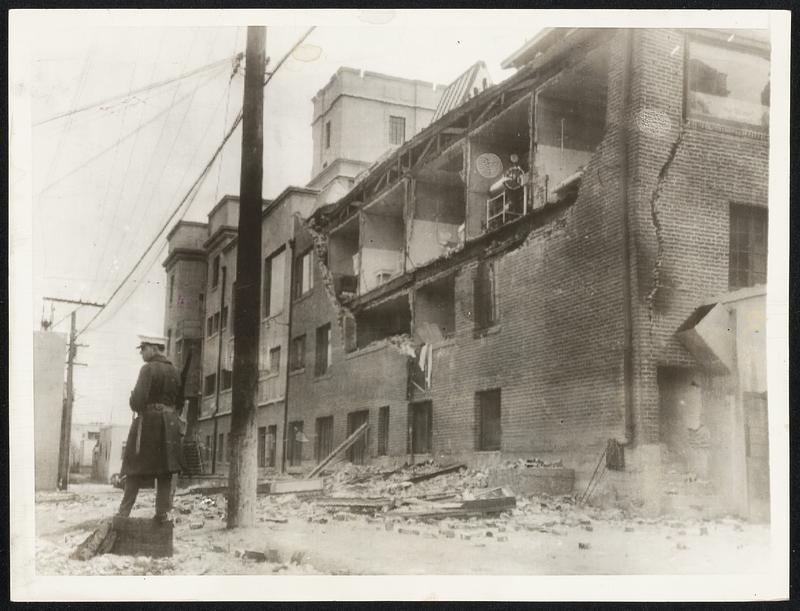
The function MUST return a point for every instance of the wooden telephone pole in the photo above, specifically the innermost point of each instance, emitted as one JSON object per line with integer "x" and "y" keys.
{"x": 243, "y": 467}
{"x": 69, "y": 400}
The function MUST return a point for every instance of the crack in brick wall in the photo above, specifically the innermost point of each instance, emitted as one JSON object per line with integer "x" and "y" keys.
{"x": 657, "y": 226}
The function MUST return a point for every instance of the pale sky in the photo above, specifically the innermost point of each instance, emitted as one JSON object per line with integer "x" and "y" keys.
{"x": 105, "y": 180}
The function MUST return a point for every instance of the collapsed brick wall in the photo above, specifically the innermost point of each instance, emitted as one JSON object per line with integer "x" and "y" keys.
{"x": 369, "y": 378}
{"x": 557, "y": 351}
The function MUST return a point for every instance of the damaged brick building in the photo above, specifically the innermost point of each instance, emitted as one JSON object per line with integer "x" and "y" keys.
{"x": 535, "y": 272}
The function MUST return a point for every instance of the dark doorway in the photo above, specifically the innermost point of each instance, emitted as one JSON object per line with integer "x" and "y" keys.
{"x": 358, "y": 451}
{"x": 489, "y": 431}
{"x": 324, "y": 441}
{"x": 272, "y": 444}
{"x": 420, "y": 417}
{"x": 295, "y": 448}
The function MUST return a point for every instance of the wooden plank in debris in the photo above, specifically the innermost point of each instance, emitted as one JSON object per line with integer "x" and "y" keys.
{"x": 338, "y": 450}
{"x": 296, "y": 485}
{"x": 261, "y": 488}
{"x": 467, "y": 509}
{"x": 354, "y": 502}
{"x": 490, "y": 505}
{"x": 445, "y": 471}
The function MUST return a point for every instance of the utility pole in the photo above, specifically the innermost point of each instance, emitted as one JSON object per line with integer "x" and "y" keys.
{"x": 66, "y": 410}
{"x": 243, "y": 467}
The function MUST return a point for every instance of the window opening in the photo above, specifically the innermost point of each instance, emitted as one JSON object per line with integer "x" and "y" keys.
{"x": 323, "y": 445}
{"x": 323, "y": 350}
{"x": 747, "y": 246}
{"x": 298, "y": 353}
{"x": 383, "y": 431}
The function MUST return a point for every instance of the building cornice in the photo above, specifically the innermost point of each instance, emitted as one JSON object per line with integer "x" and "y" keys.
{"x": 180, "y": 224}
{"x": 179, "y": 254}
{"x": 220, "y": 234}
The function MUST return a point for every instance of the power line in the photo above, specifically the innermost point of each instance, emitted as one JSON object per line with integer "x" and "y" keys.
{"x": 144, "y": 216}
{"x": 199, "y": 179}
{"x": 116, "y": 144}
{"x": 134, "y": 236}
{"x": 185, "y": 75}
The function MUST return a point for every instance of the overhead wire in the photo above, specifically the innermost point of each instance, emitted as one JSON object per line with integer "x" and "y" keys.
{"x": 189, "y": 203}
{"x": 196, "y": 183}
{"x": 133, "y": 236}
{"x": 62, "y": 134}
{"x": 114, "y": 160}
{"x": 100, "y": 260}
{"x": 156, "y": 63}
{"x": 144, "y": 89}
{"x": 225, "y": 116}
{"x": 107, "y": 149}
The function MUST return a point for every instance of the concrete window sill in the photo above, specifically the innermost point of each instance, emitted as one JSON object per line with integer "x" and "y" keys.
{"x": 493, "y": 330}
{"x": 270, "y": 319}
{"x": 303, "y": 297}
{"x": 296, "y": 372}
{"x": 732, "y": 129}
{"x": 325, "y": 376}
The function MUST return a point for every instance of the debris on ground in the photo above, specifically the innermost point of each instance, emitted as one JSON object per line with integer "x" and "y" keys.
{"x": 451, "y": 502}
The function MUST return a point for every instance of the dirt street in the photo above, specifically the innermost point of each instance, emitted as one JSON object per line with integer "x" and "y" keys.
{"x": 540, "y": 536}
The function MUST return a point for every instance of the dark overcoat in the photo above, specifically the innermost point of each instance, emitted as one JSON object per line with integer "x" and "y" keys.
{"x": 157, "y": 430}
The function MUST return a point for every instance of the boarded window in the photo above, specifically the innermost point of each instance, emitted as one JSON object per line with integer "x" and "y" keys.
{"x": 273, "y": 285}
{"x": 262, "y": 446}
{"x": 295, "y": 443}
{"x": 275, "y": 359}
{"x": 383, "y": 431}
{"x": 327, "y": 134}
{"x": 358, "y": 451}
{"x": 485, "y": 293}
{"x": 172, "y": 289}
{"x": 272, "y": 444}
{"x": 323, "y": 350}
{"x": 748, "y": 246}
{"x": 324, "y": 441}
{"x": 221, "y": 447}
{"x": 488, "y": 417}
{"x": 210, "y": 326}
{"x": 420, "y": 416}
{"x": 210, "y": 385}
{"x": 297, "y": 356}
{"x": 224, "y": 317}
{"x": 728, "y": 84}
{"x": 169, "y": 340}
{"x": 397, "y": 130}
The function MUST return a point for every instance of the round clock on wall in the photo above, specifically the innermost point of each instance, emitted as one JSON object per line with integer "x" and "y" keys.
{"x": 489, "y": 165}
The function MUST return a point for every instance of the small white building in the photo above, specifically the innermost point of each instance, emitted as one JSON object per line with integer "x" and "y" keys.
{"x": 111, "y": 447}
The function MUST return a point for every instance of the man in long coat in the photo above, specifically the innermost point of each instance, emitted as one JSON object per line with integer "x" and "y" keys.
{"x": 153, "y": 449}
